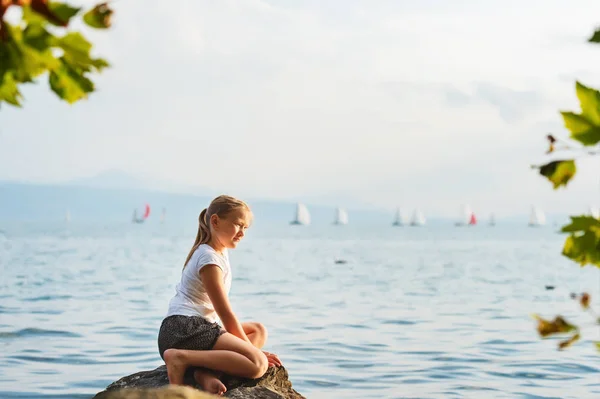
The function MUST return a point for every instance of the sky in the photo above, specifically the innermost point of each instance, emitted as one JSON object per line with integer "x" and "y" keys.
{"x": 426, "y": 103}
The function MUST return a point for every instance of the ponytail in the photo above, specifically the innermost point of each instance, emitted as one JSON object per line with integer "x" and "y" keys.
{"x": 202, "y": 237}
{"x": 220, "y": 206}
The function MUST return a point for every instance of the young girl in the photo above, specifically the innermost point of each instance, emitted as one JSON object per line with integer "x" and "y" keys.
{"x": 190, "y": 335}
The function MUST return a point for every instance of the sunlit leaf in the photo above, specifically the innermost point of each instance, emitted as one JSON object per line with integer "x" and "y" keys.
{"x": 63, "y": 11}
{"x": 589, "y": 99}
{"x": 557, "y": 326}
{"x": 597, "y": 343}
{"x": 53, "y": 12}
{"x": 585, "y": 127}
{"x": 583, "y": 248}
{"x": 595, "y": 37}
{"x": 99, "y": 17}
{"x": 69, "y": 83}
{"x": 9, "y": 92}
{"x": 37, "y": 37}
{"x": 77, "y": 52}
{"x": 29, "y": 49}
{"x": 566, "y": 343}
{"x": 559, "y": 172}
{"x": 584, "y": 300}
{"x": 581, "y": 223}
{"x": 581, "y": 129}
{"x": 25, "y": 63}
{"x": 583, "y": 245}
{"x": 33, "y": 18}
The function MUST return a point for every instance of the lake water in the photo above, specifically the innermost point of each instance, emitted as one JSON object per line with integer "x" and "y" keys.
{"x": 432, "y": 312}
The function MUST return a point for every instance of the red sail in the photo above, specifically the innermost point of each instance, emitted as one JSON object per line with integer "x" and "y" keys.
{"x": 473, "y": 219}
{"x": 147, "y": 212}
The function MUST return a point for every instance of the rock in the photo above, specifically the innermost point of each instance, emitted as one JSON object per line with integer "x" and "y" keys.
{"x": 154, "y": 384}
{"x": 167, "y": 392}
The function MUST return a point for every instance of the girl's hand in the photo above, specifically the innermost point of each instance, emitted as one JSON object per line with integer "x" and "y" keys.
{"x": 273, "y": 359}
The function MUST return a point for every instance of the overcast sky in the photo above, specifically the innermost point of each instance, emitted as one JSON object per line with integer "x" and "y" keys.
{"x": 426, "y": 103}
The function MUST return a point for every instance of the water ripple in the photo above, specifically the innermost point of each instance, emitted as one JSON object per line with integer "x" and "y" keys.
{"x": 414, "y": 313}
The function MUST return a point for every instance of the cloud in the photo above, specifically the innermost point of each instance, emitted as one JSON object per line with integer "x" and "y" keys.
{"x": 284, "y": 99}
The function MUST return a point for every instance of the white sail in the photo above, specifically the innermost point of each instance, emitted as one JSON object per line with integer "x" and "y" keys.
{"x": 163, "y": 215}
{"x": 341, "y": 216}
{"x": 537, "y": 217}
{"x": 67, "y": 216}
{"x": 418, "y": 219}
{"x": 492, "y": 220}
{"x": 398, "y": 218}
{"x": 465, "y": 215}
{"x": 594, "y": 212}
{"x": 302, "y": 215}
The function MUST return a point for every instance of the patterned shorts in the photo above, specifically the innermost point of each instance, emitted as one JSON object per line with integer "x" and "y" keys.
{"x": 187, "y": 332}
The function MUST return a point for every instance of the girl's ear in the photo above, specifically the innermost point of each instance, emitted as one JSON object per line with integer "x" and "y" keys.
{"x": 214, "y": 220}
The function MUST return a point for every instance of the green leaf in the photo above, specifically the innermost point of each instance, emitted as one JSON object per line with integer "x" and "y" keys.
{"x": 77, "y": 52}
{"x": 585, "y": 127}
{"x": 63, "y": 11}
{"x": 33, "y": 18}
{"x": 583, "y": 248}
{"x": 69, "y": 82}
{"x": 581, "y": 128}
{"x": 23, "y": 61}
{"x": 581, "y": 223}
{"x": 9, "y": 92}
{"x": 566, "y": 343}
{"x": 37, "y": 37}
{"x": 559, "y": 172}
{"x": 597, "y": 343}
{"x": 589, "y": 99}
{"x": 595, "y": 37}
{"x": 550, "y": 327}
{"x": 98, "y": 17}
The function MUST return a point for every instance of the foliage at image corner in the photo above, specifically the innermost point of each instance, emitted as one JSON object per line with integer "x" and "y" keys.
{"x": 40, "y": 43}
{"x": 582, "y": 244}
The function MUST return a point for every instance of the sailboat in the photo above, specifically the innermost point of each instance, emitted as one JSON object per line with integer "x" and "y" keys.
{"x": 145, "y": 215}
{"x": 341, "y": 217}
{"x": 163, "y": 215}
{"x": 492, "y": 220}
{"x": 418, "y": 219}
{"x": 67, "y": 216}
{"x": 398, "y": 218}
{"x": 302, "y": 215}
{"x": 537, "y": 217}
{"x": 466, "y": 216}
{"x": 594, "y": 212}
{"x": 472, "y": 219}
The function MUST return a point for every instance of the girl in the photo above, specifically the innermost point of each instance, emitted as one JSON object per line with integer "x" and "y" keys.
{"x": 190, "y": 335}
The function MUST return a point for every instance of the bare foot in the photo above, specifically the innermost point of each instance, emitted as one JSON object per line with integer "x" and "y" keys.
{"x": 175, "y": 366}
{"x": 209, "y": 382}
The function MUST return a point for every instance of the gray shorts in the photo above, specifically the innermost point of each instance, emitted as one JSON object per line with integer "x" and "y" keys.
{"x": 187, "y": 332}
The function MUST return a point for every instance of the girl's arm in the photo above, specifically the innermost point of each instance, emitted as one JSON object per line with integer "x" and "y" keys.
{"x": 212, "y": 278}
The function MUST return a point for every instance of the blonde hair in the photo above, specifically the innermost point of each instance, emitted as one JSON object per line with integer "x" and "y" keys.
{"x": 221, "y": 206}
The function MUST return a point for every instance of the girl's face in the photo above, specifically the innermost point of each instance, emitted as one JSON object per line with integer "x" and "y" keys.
{"x": 230, "y": 229}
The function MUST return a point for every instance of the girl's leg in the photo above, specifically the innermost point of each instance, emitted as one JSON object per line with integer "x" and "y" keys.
{"x": 256, "y": 332}
{"x": 230, "y": 355}
{"x": 209, "y": 381}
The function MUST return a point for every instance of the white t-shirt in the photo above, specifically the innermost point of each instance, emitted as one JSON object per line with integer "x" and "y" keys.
{"x": 191, "y": 298}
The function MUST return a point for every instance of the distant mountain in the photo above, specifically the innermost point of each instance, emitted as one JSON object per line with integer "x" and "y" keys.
{"x": 114, "y": 196}
{"x": 38, "y": 202}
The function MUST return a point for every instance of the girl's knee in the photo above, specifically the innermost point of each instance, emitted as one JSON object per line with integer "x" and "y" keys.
{"x": 262, "y": 365}
{"x": 261, "y": 330}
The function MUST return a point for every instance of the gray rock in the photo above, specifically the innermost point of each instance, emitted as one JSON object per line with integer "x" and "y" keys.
{"x": 275, "y": 384}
